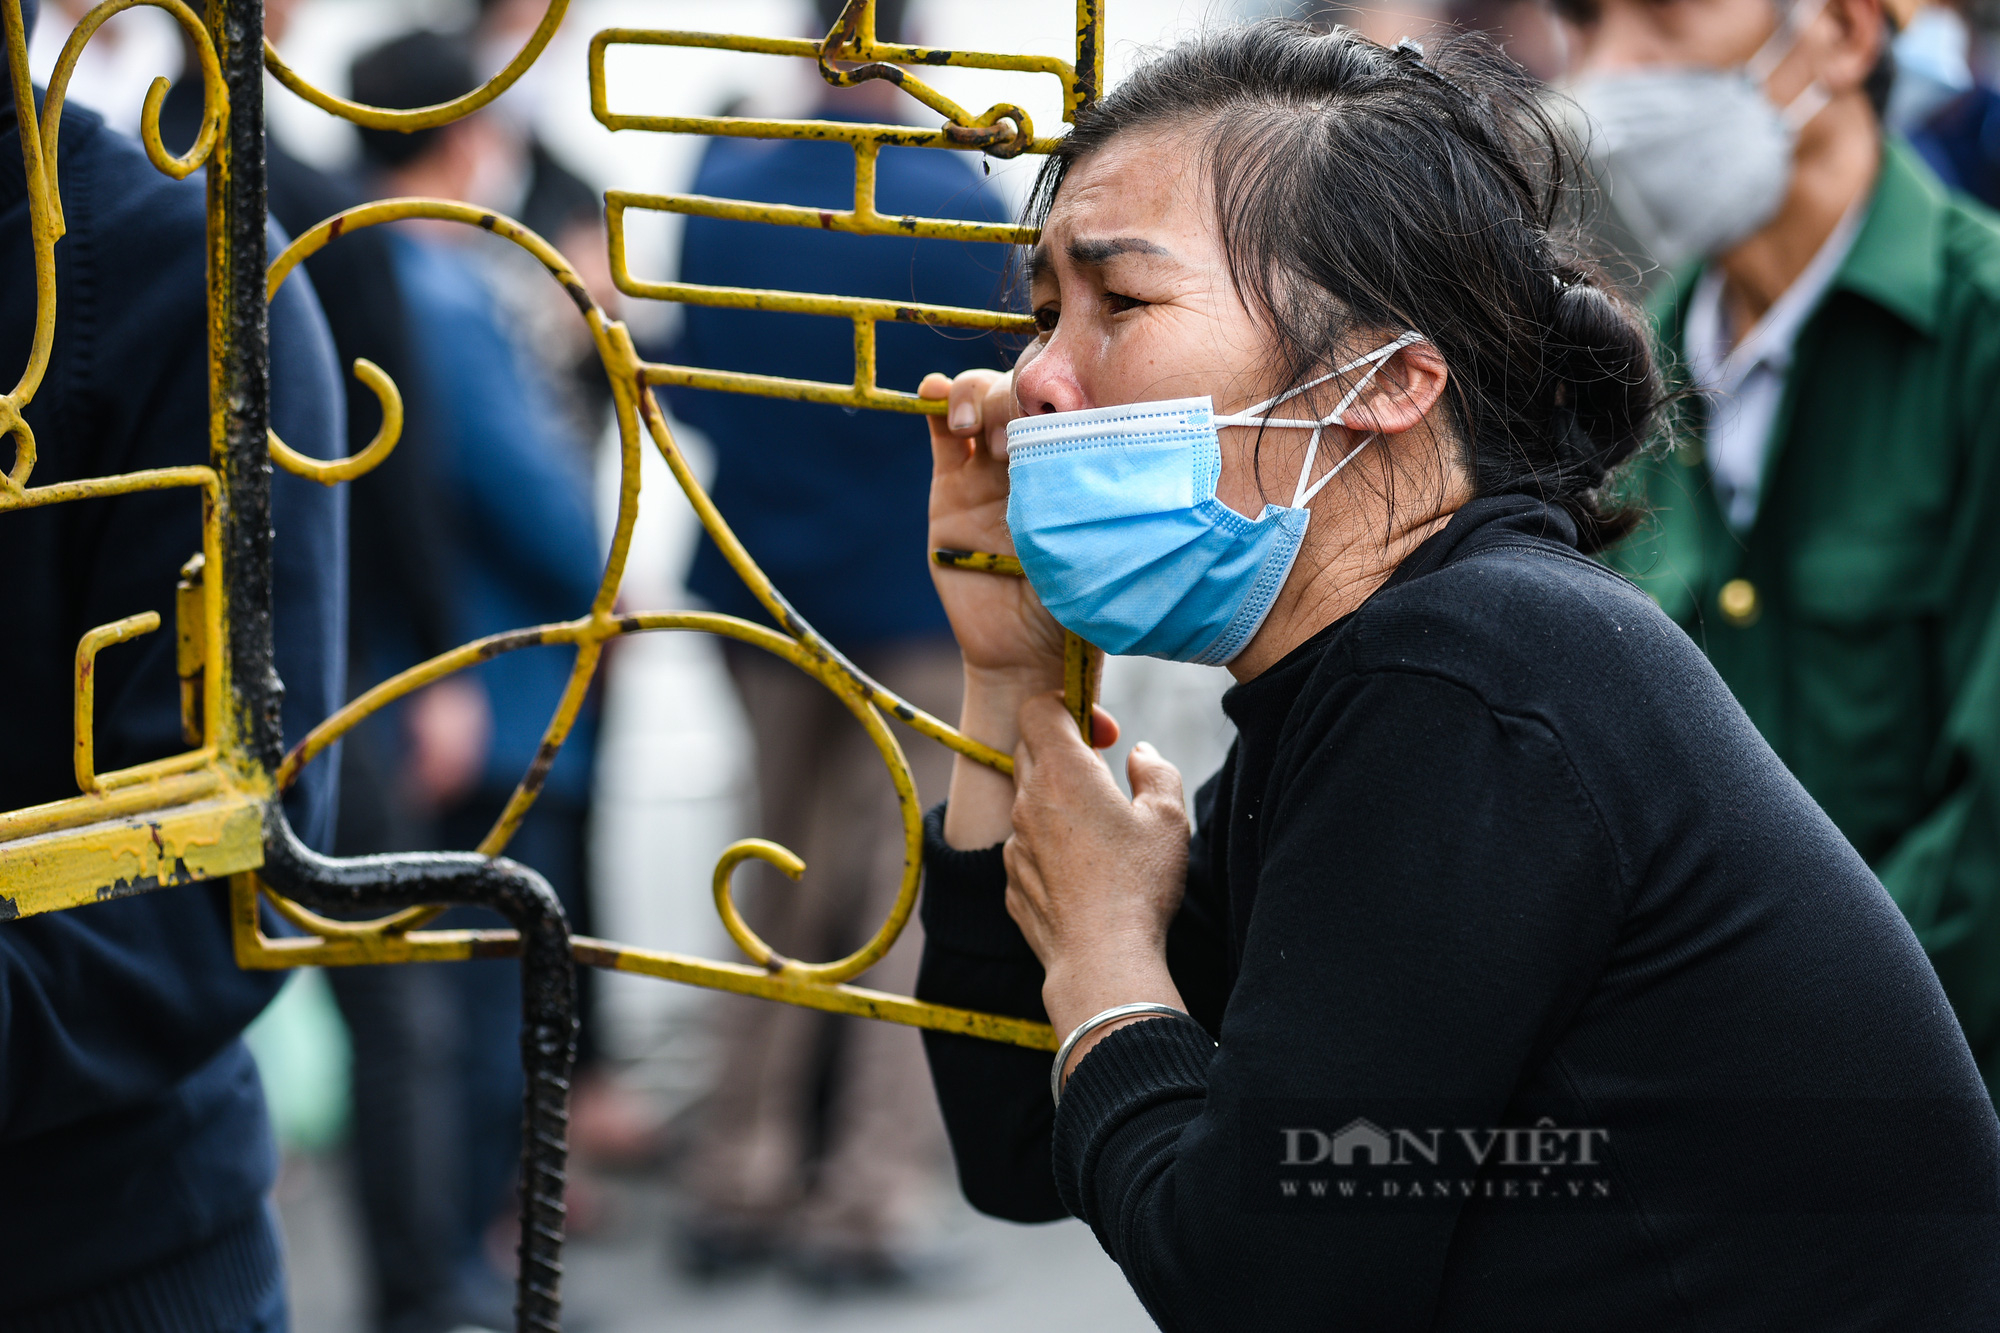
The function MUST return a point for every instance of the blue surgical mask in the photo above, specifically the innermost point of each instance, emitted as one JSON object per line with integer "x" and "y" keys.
{"x": 1114, "y": 517}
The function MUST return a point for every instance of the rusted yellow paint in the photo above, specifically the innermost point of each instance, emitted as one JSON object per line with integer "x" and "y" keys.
{"x": 95, "y": 807}
{"x": 985, "y": 562}
{"x": 1083, "y": 673}
{"x": 191, "y": 644}
{"x": 347, "y": 469}
{"x": 790, "y": 988}
{"x": 40, "y": 132}
{"x": 424, "y": 117}
{"x": 345, "y": 945}
{"x": 1003, "y": 130}
{"x": 88, "y": 647}
{"x": 200, "y": 815}
{"x": 215, "y": 96}
{"x": 138, "y": 852}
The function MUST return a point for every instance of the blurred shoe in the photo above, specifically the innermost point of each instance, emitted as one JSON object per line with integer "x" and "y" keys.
{"x": 709, "y": 1251}
{"x": 614, "y": 1127}
{"x": 840, "y": 1271}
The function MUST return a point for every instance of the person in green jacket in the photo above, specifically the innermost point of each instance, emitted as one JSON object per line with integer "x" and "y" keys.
{"x": 1827, "y": 524}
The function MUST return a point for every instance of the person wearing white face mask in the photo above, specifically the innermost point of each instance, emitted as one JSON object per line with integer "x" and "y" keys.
{"x": 1824, "y": 528}
{"x": 1505, "y": 975}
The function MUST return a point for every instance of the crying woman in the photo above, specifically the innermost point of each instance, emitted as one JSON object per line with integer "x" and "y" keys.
{"x": 1505, "y": 978}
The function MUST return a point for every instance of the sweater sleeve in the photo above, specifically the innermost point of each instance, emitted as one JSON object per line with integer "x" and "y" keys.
{"x": 111, "y": 1006}
{"x": 995, "y": 1098}
{"x": 1436, "y": 891}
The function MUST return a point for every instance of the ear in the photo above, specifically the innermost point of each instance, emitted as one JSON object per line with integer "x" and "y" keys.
{"x": 1403, "y": 394}
{"x": 1855, "y": 31}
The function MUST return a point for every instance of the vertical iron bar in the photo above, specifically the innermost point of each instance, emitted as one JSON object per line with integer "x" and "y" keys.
{"x": 240, "y": 393}
{"x": 239, "y": 418}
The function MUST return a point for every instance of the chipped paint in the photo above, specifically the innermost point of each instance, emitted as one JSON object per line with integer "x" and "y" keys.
{"x": 211, "y": 813}
{"x": 117, "y": 858}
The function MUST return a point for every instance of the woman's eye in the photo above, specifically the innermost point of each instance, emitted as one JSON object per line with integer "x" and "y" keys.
{"x": 1045, "y": 319}
{"x": 1120, "y": 303}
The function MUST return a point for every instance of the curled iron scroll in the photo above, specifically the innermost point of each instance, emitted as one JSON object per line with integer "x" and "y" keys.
{"x": 41, "y": 131}
{"x": 801, "y": 644}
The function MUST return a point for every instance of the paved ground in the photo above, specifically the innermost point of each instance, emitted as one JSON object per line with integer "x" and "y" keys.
{"x": 1053, "y": 1279}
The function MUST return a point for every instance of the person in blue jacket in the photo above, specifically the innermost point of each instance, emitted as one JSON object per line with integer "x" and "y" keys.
{"x": 138, "y": 1156}
{"x": 830, "y": 501}
{"x": 512, "y": 481}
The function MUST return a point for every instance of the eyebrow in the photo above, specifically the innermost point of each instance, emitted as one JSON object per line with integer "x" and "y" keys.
{"x": 1089, "y": 252}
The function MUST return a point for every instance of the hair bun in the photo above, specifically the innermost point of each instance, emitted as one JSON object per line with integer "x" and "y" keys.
{"x": 1602, "y": 363}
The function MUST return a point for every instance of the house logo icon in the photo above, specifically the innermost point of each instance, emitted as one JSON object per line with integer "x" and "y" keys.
{"x": 1364, "y": 1137}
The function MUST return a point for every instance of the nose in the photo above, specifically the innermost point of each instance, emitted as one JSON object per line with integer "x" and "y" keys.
{"x": 1045, "y": 379}
{"x": 1623, "y": 37}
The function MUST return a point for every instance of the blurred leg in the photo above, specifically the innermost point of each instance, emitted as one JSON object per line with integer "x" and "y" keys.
{"x": 402, "y": 1024}
{"x": 485, "y": 1063}
{"x": 747, "y": 1167}
{"x": 884, "y": 1143}
{"x": 402, "y": 1027}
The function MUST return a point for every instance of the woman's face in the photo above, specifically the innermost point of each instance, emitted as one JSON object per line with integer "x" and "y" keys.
{"x": 1133, "y": 302}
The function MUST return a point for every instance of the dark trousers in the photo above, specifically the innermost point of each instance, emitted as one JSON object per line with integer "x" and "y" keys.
{"x": 436, "y": 1077}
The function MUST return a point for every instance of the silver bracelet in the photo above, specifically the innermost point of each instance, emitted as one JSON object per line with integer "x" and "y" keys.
{"x": 1094, "y": 1022}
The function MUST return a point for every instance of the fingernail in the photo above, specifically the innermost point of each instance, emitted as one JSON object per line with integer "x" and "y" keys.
{"x": 963, "y": 417}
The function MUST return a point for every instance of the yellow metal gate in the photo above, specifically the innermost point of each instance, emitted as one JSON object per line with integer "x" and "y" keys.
{"x": 214, "y": 810}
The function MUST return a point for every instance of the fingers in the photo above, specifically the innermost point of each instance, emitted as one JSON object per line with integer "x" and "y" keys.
{"x": 998, "y": 409}
{"x": 947, "y": 450}
{"x": 1056, "y": 775}
{"x": 970, "y": 392}
{"x": 1025, "y": 899}
{"x": 1103, "y": 729}
{"x": 978, "y": 405}
{"x": 1047, "y": 728}
{"x": 1153, "y": 778}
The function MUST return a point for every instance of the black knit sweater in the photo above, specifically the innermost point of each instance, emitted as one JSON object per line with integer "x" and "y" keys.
{"x": 1546, "y": 999}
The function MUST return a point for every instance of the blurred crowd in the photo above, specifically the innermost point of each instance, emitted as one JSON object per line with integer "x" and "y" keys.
{"x": 1778, "y": 232}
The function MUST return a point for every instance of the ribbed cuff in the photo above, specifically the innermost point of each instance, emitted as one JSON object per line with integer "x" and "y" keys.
{"x": 965, "y": 898}
{"x": 1136, "y": 1068}
{"x": 218, "y": 1285}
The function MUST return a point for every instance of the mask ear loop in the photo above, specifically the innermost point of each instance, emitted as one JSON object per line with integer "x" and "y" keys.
{"x": 1305, "y": 493}
{"x": 1764, "y": 63}
{"x": 1249, "y": 415}
{"x": 1380, "y": 356}
{"x": 1798, "y": 112}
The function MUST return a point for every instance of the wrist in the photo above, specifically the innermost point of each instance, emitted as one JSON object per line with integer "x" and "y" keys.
{"x": 1081, "y": 1037}
{"x": 1073, "y": 992}
{"x": 991, "y": 711}
{"x": 1013, "y": 683}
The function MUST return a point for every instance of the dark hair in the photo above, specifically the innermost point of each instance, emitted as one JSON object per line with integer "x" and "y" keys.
{"x": 1363, "y": 190}
{"x": 419, "y": 68}
{"x": 1881, "y": 80}
{"x": 888, "y": 18}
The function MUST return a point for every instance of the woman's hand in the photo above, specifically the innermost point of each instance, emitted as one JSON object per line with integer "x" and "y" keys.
{"x": 1000, "y": 624}
{"x": 1093, "y": 879}
{"x": 1011, "y": 645}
